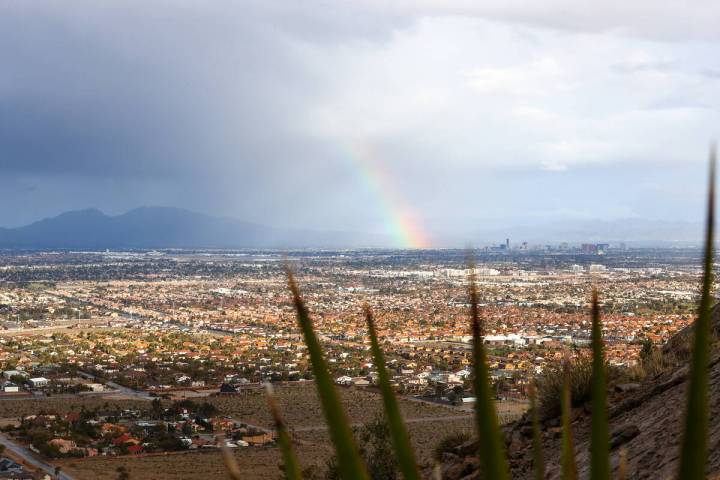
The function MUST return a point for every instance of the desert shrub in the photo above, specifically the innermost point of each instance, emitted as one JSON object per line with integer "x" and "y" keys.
{"x": 550, "y": 385}
{"x": 655, "y": 361}
{"x": 647, "y": 348}
{"x": 449, "y": 443}
{"x": 651, "y": 365}
{"x": 208, "y": 410}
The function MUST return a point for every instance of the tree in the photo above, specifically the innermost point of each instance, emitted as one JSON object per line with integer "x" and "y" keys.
{"x": 156, "y": 408}
{"x": 647, "y": 348}
{"x": 456, "y": 394}
{"x": 208, "y": 410}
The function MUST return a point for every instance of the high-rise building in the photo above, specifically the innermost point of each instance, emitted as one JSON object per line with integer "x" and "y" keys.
{"x": 589, "y": 248}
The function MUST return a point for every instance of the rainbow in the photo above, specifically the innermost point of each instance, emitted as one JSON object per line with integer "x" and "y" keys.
{"x": 400, "y": 222}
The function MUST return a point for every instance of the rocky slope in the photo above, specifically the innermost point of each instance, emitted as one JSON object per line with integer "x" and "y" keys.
{"x": 646, "y": 420}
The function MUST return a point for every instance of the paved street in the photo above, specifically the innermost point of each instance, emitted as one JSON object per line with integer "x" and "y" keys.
{"x": 31, "y": 457}
{"x": 120, "y": 389}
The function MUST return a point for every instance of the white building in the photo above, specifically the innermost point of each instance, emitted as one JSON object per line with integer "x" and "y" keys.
{"x": 509, "y": 339}
{"x": 38, "y": 382}
{"x": 344, "y": 380}
{"x": 10, "y": 387}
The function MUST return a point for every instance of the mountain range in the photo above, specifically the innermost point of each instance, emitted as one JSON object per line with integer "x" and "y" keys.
{"x": 165, "y": 227}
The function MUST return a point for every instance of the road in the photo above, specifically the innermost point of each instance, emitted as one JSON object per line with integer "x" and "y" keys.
{"x": 54, "y": 396}
{"x": 317, "y": 428}
{"x": 140, "y": 395}
{"x": 31, "y": 458}
{"x": 503, "y": 418}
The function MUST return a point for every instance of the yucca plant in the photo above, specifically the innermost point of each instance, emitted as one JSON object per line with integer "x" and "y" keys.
{"x": 490, "y": 443}
{"x": 290, "y": 462}
{"x": 350, "y": 464}
{"x": 398, "y": 433}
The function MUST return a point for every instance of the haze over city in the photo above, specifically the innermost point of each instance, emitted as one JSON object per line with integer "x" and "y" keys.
{"x": 424, "y": 123}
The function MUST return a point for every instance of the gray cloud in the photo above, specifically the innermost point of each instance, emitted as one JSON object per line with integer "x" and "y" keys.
{"x": 252, "y": 109}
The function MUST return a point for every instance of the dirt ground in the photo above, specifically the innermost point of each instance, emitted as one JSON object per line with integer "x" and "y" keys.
{"x": 427, "y": 423}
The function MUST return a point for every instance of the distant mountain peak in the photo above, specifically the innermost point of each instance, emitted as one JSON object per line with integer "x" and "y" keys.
{"x": 150, "y": 227}
{"x": 87, "y": 212}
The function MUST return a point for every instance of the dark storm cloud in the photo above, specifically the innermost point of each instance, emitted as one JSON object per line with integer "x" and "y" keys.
{"x": 127, "y": 92}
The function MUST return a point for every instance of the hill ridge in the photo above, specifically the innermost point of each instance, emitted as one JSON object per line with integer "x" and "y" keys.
{"x": 151, "y": 227}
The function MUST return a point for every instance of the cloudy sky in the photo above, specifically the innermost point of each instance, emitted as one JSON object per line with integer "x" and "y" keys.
{"x": 430, "y": 117}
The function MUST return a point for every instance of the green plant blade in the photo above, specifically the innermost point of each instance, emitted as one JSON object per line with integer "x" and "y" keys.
{"x": 350, "y": 464}
{"x": 292, "y": 467}
{"x": 693, "y": 454}
{"x": 490, "y": 442}
{"x": 567, "y": 451}
{"x": 538, "y": 457}
{"x": 600, "y": 438}
{"x": 398, "y": 433}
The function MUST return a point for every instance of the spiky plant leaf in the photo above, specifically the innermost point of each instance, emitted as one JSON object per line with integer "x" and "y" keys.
{"x": 398, "y": 433}
{"x": 538, "y": 457}
{"x": 292, "y": 467}
{"x": 231, "y": 465}
{"x": 622, "y": 464}
{"x": 437, "y": 472}
{"x": 600, "y": 439}
{"x": 490, "y": 442}
{"x": 350, "y": 464}
{"x": 567, "y": 451}
{"x": 693, "y": 453}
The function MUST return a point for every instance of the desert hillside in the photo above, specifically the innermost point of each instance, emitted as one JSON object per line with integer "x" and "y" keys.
{"x": 646, "y": 419}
